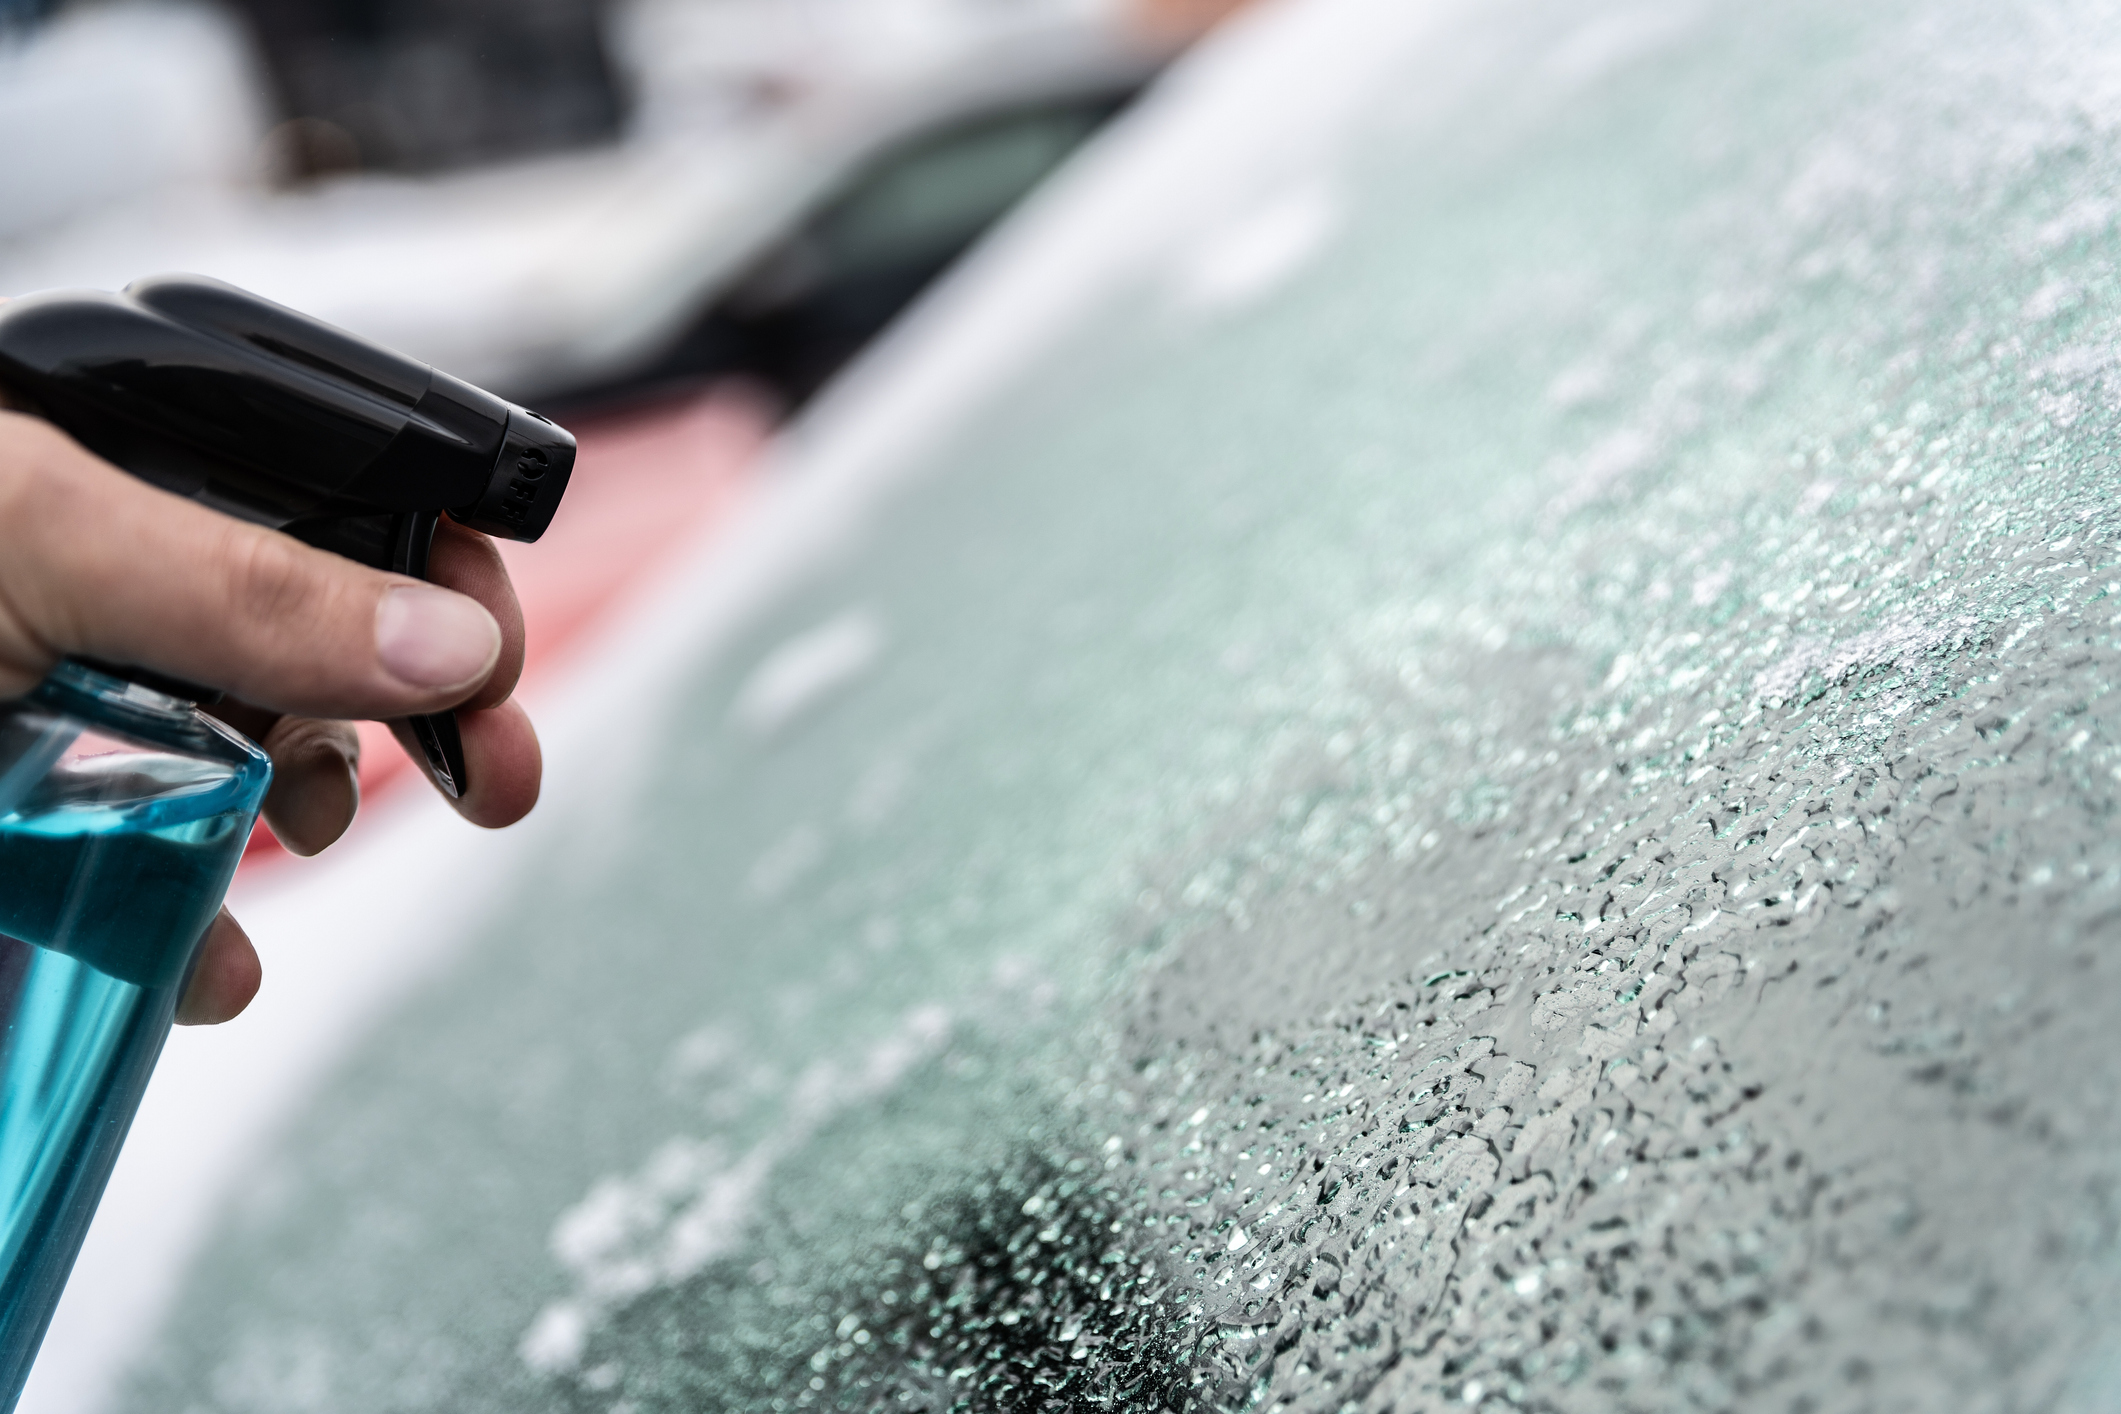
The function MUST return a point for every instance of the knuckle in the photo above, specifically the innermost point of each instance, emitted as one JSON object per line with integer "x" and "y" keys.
{"x": 269, "y": 578}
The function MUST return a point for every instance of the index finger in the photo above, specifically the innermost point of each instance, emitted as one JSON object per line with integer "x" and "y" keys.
{"x": 93, "y": 562}
{"x": 470, "y": 563}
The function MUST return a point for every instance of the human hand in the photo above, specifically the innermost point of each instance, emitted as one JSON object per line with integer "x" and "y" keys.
{"x": 96, "y": 563}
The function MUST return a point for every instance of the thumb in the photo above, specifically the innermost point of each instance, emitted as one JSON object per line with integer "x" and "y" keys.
{"x": 95, "y": 562}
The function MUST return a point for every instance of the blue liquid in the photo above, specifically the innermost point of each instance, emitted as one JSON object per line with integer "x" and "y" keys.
{"x": 110, "y": 874}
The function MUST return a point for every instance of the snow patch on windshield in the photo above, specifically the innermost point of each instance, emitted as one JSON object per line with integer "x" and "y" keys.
{"x": 806, "y": 670}
{"x": 1250, "y": 257}
{"x": 692, "y": 1201}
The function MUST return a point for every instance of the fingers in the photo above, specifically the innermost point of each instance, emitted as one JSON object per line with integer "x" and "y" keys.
{"x": 225, "y": 979}
{"x": 501, "y": 756}
{"x": 94, "y": 562}
{"x": 469, "y": 563}
{"x": 316, "y": 782}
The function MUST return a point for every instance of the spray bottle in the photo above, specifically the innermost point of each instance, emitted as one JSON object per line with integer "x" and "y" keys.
{"x": 124, "y": 808}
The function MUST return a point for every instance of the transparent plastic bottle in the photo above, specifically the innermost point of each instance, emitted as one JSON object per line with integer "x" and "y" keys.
{"x": 123, "y": 813}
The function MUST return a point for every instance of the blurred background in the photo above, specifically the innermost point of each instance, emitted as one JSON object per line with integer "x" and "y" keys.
{"x": 669, "y": 222}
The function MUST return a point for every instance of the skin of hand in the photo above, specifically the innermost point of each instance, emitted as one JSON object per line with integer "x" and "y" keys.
{"x": 94, "y": 562}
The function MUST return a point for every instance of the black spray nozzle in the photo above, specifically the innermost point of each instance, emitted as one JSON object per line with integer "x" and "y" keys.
{"x": 528, "y": 478}
{"x": 214, "y": 394}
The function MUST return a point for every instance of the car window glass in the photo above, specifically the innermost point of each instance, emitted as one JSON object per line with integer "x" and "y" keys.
{"x": 948, "y": 188}
{"x": 1489, "y": 784}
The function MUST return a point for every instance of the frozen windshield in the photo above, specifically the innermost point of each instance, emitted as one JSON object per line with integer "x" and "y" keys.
{"x": 1479, "y": 774}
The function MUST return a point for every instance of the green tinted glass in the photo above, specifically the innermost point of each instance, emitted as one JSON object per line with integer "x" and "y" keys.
{"x": 1489, "y": 783}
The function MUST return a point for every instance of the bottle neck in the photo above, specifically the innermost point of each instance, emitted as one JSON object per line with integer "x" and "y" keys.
{"x": 116, "y": 706}
{"x": 83, "y": 688}
{"x": 188, "y": 693}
